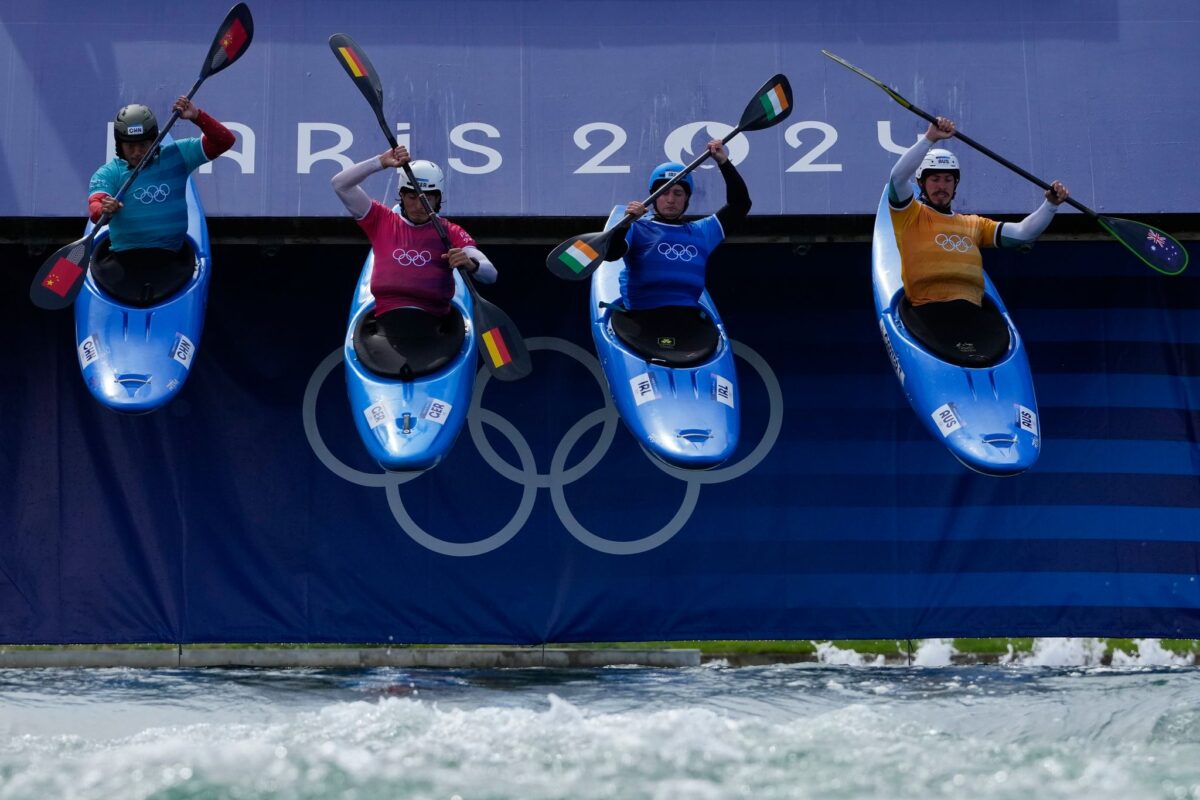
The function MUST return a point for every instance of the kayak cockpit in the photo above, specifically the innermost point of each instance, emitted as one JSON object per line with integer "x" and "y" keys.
{"x": 677, "y": 336}
{"x": 420, "y": 343}
{"x": 143, "y": 287}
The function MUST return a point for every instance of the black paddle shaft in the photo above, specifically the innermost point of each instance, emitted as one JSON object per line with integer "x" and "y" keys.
{"x": 967, "y": 140}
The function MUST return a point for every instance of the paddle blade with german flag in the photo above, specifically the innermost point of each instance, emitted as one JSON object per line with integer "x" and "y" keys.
{"x": 233, "y": 39}
{"x": 771, "y": 105}
{"x": 60, "y": 278}
{"x": 578, "y": 257}
{"x": 358, "y": 67}
{"x": 500, "y": 343}
{"x": 1159, "y": 250}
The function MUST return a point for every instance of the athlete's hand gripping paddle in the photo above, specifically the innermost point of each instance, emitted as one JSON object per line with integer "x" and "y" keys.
{"x": 60, "y": 278}
{"x": 1157, "y": 249}
{"x": 500, "y": 343}
{"x": 578, "y": 257}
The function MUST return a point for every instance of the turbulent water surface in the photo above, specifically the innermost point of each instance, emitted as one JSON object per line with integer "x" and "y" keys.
{"x": 1051, "y": 725}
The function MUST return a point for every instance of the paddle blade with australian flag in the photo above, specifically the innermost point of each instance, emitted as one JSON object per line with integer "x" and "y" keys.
{"x": 1159, "y": 250}
{"x": 233, "y": 39}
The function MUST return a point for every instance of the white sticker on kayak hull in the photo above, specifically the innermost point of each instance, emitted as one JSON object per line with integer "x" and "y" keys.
{"x": 723, "y": 390}
{"x": 88, "y": 352}
{"x": 1027, "y": 419}
{"x": 183, "y": 350}
{"x": 643, "y": 388}
{"x": 437, "y": 411}
{"x": 947, "y": 421}
{"x": 377, "y": 414}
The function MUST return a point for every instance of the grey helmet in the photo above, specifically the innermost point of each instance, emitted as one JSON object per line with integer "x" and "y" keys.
{"x": 135, "y": 123}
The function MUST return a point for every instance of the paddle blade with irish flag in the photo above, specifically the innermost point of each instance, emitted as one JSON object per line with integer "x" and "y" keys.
{"x": 233, "y": 39}
{"x": 577, "y": 258}
{"x": 770, "y": 106}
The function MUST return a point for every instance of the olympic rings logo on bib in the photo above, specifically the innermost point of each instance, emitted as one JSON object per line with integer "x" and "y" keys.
{"x": 678, "y": 252}
{"x": 152, "y": 194}
{"x": 953, "y": 242}
{"x": 411, "y": 258}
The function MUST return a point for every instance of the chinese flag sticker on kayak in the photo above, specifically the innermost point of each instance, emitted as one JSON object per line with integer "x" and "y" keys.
{"x": 62, "y": 277}
{"x": 234, "y": 40}
{"x": 493, "y": 340}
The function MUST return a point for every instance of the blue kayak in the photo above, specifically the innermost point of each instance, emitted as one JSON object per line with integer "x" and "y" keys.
{"x": 135, "y": 357}
{"x": 406, "y": 424}
{"x": 987, "y": 417}
{"x": 671, "y": 376}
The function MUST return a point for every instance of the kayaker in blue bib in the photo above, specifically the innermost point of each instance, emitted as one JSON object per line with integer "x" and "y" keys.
{"x": 145, "y": 259}
{"x": 666, "y": 256}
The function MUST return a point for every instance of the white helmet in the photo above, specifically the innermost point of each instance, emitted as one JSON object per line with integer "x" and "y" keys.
{"x": 938, "y": 160}
{"x": 428, "y": 174}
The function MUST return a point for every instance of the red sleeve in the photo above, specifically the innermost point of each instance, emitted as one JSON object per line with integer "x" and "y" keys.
{"x": 216, "y": 139}
{"x": 94, "y": 210}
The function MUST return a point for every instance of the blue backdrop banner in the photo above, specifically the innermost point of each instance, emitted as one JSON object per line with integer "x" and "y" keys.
{"x": 562, "y": 108}
{"x": 248, "y": 509}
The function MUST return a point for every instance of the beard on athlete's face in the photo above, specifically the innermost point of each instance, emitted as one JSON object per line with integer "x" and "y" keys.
{"x": 940, "y": 188}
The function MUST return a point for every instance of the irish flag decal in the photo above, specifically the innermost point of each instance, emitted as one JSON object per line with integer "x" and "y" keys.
{"x": 578, "y": 256}
{"x": 497, "y": 350}
{"x": 773, "y": 101}
{"x": 355, "y": 66}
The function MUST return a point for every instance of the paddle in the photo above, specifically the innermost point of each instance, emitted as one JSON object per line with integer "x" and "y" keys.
{"x": 500, "y": 343}
{"x": 1157, "y": 249}
{"x": 60, "y": 278}
{"x": 578, "y": 257}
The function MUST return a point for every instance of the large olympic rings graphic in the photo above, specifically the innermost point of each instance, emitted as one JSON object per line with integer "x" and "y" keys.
{"x": 152, "y": 194}
{"x": 953, "y": 242}
{"x": 678, "y": 252}
{"x": 411, "y": 258}
{"x": 560, "y": 475}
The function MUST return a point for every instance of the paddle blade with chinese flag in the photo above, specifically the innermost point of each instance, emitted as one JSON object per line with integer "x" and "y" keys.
{"x": 60, "y": 278}
{"x": 233, "y": 39}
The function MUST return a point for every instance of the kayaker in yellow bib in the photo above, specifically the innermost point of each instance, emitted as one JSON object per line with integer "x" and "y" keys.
{"x": 942, "y": 268}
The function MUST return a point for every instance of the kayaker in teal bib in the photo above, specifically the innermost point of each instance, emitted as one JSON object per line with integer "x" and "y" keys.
{"x": 666, "y": 256}
{"x": 145, "y": 259}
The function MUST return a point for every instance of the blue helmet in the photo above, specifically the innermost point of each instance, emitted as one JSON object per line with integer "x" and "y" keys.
{"x": 665, "y": 171}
